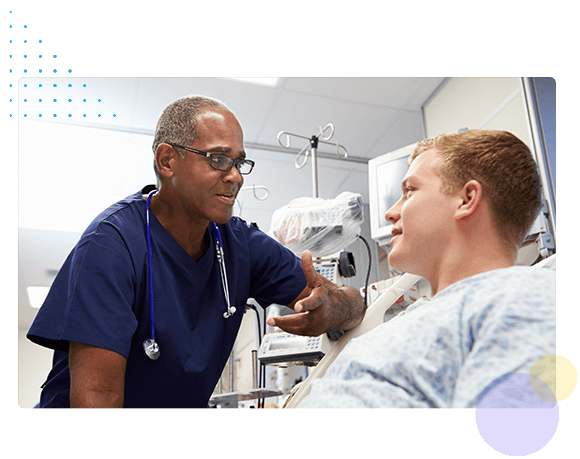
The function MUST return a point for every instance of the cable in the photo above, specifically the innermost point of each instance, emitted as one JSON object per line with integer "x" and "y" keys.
{"x": 251, "y": 306}
{"x": 262, "y": 377}
{"x": 261, "y": 334}
{"x": 368, "y": 270}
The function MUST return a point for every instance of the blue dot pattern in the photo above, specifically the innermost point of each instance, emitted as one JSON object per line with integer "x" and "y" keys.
{"x": 443, "y": 352}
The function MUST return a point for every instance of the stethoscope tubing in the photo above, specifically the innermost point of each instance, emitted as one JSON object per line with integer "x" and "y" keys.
{"x": 150, "y": 345}
{"x": 150, "y": 263}
{"x": 223, "y": 274}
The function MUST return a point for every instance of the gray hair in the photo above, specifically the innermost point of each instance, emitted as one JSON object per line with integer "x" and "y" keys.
{"x": 178, "y": 122}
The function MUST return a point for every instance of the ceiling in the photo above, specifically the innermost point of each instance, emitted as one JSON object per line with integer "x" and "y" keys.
{"x": 371, "y": 116}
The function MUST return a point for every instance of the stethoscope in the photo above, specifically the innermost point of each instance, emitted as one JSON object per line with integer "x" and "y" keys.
{"x": 150, "y": 345}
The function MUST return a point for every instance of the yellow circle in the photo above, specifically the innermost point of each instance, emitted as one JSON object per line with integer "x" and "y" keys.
{"x": 566, "y": 377}
{"x": 546, "y": 371}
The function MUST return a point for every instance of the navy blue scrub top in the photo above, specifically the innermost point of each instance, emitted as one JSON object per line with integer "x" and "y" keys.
{"x": 100, "y": 297}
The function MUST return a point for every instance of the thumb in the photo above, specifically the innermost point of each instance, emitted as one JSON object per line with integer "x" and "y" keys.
{"x": 308, "y": 268}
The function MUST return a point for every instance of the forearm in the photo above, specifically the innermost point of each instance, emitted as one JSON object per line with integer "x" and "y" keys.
{"x": 97, "y": 377}
{"x": 87, "y": 398}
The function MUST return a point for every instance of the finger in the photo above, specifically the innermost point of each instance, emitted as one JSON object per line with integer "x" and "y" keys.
{"x": 309, "y": 303}
{"x": 308, "y": 268}
{"x": 297, "y": 324}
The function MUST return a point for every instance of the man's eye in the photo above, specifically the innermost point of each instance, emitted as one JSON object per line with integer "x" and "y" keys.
{"x": 221, "y": 160}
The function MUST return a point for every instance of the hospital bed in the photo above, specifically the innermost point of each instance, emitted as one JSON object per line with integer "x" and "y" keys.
{"x": 374, "y": 316}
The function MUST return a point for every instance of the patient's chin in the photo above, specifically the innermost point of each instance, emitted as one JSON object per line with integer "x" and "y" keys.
{"x": 395, "y": 260}
{"x": 400, "y": 262}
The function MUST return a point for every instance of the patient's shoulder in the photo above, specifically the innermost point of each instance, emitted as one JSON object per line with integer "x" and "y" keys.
{"x": 505, "y": 280}
{"x": 502, "y": 288}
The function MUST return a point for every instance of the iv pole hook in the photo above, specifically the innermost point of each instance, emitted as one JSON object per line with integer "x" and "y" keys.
{"x": 329, "y": 125}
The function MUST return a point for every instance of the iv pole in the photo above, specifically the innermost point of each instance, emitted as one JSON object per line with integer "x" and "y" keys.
{"x": 312, "y": 146}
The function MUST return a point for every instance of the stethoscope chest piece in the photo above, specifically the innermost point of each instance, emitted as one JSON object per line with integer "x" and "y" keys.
{"x": 151, "y": 349}
{"x": 230, "y": 312}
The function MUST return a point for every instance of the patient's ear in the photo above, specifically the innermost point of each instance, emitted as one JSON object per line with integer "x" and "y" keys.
{"x": 470, "y": 196}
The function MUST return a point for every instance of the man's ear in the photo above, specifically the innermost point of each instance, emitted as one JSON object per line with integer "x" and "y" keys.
{"x": 471, "y": 195}
{"x": 164, "y": 157}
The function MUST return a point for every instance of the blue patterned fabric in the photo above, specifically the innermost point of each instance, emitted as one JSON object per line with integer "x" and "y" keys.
{"x": 443, "y": 352}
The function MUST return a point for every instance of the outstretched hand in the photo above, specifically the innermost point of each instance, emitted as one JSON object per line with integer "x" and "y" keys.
{"x": 322, "y": 306}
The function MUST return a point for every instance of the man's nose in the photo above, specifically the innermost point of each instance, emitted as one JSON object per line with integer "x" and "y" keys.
{"x": 233, "y": 175}
{"x": 394, "y": 213}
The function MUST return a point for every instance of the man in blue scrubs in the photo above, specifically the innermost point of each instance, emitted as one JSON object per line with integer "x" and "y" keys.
{"x": 96, "y": 315}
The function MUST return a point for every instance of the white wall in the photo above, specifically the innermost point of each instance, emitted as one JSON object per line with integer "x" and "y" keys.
{"x": 478, "y": 103}
{"x": 34, "y": 363}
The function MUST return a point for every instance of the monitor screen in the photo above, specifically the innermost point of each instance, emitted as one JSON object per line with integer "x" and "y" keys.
{"x": 289, "y": 342}
{"x": 386, "y": 173}
{"x": 389, "y": 178}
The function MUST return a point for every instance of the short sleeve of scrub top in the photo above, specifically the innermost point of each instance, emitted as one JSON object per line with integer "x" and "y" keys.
{"x": 100, "y": 297}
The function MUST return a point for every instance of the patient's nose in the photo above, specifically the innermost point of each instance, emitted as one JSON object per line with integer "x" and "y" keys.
{"x": 394, "y": 213}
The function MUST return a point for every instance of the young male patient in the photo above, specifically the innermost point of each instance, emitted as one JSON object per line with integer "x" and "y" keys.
{"x": 468, "y": 201}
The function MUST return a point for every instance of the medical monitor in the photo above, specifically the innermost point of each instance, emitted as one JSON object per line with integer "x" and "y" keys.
{"x": 386, "y": 173}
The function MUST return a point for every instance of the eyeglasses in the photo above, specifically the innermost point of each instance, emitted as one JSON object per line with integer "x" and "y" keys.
{"x": 222, "y": 162}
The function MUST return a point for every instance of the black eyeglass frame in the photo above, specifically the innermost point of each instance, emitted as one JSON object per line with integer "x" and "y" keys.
{"x": 237, "y": 162}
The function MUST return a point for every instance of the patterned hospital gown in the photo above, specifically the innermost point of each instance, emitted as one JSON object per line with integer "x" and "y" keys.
{"x": 443, "y": 352}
